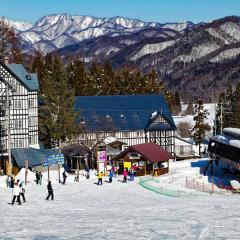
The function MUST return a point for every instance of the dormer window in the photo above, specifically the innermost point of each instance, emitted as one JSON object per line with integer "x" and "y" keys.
{"x": 28, "y": 77}
{"x": 82, "y": 120}
{"x": 108, "y": 117}
{"x": 95, "y": 118}
{"x": 135, "y": 117}
{"x": 122, "y": 117}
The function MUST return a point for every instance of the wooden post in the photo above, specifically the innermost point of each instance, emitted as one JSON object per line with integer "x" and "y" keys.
{"x": 26, "y": 171}
{"x": 153, "y": 170}
{"x": 145, "y": 168}
{"x": 48, "y": 174}
{"x": 59, "y": 180}
{"x": 77, "y": 168}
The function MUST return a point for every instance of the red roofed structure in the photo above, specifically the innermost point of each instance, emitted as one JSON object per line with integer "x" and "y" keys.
{"x": 144, "y": 159}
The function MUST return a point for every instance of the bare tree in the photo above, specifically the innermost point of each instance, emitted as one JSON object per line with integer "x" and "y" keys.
{"x": 183, "y": 129}
{"x": 9, "y": 44}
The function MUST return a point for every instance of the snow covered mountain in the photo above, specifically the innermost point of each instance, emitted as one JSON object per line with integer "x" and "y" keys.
{"x": 60, "y": 30}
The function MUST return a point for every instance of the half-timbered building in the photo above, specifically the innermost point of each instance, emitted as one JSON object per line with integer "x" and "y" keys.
{"x": 132, "y": 119}
{"x": 18, "y": 108}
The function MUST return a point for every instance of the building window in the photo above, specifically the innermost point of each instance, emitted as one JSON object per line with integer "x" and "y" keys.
{"x": 95, "y": 118}
{"x": 125, "y": 134}
{"x": 139, "y": 133}
{"x": 135, "y": 117}
{"x": 31, "y": 140}
{"x": 18, "y": 104}
{"x": 18, "y": 143}
{"x": 17, "y": 123}
{"x": 30, "y": 103}
{"x": 122, "y": 117}
{"x": 32, "y": 121}
{"x": 108, "y": 117}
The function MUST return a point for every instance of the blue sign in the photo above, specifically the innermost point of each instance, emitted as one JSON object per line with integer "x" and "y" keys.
{"x": 53, "y": 160}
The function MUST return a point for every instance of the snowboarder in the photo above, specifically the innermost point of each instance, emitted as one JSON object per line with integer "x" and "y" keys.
{"x": 110, "y": 176}
{"x": 22, "y": 191}
{"x": 50, "y": 191}
{"x": 100, "y": 174}
{"x": 16, "y": 193}
{"x": 64, "y": 177}
{"x": 125, "y": 174}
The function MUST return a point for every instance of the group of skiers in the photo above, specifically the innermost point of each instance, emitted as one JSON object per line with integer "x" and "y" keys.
{"x": 126, "y": 173}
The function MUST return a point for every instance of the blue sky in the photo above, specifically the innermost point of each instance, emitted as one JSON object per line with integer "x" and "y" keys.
{"x": 147, "y": 10}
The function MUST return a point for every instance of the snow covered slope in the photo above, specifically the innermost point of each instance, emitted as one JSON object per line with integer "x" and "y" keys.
{"x": 119, "y": 210}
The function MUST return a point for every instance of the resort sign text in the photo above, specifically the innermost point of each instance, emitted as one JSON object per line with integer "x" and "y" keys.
{"x": 53, "y": 160}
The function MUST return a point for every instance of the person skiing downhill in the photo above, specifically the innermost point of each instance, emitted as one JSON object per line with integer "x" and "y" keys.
{"x": 16, "y": 194}
{"x": 50, "y": 191}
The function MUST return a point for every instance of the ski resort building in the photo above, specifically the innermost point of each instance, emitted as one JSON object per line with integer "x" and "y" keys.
{"x": 131, "y": 119}
{"x": 18, "y": 109}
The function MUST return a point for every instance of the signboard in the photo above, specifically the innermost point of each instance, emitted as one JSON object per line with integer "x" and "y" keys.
{"x": 53, "y": 160}
{"x": 101, "y": 156}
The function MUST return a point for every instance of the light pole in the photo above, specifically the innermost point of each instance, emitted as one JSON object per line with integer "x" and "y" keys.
{"x": 9, "y": 132}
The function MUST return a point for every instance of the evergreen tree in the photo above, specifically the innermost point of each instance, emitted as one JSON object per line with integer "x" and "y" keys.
{"x": 200, "y": 128}
{"x": 176, "y": 103}
{"x": 77, "y": 78}
{"x": 57, "y": 119}
{"x": 225, "y": 108}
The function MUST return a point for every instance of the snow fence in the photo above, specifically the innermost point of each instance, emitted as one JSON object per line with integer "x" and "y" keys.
{"x": 154, "y": 184}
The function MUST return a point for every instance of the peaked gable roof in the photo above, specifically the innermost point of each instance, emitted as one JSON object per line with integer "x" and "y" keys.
{"x": 122, "y": 112}
{"x": 150, "y": 151}
{"x": 30, "y": 80}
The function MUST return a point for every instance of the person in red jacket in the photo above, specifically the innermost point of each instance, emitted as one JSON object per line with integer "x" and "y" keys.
{"x": 125, "y": 174}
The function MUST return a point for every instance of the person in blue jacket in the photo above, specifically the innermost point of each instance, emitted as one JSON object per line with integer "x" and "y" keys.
{"x": 110, "y": 176}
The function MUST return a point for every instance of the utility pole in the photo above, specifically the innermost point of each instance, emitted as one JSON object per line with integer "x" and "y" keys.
{"x": 221, "y": 112}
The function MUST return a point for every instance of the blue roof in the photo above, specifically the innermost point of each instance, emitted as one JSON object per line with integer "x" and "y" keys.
{"x": 34, "y": 156}
{"x": 123, "y": 112}
{"x": 30, "y": 80}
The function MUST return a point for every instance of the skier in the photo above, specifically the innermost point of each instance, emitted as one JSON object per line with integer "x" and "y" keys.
{"x": 131, "y": 174}
{"x": 16, "y": 193}
{"x": 12, "y": 182}
{"x": 87, "y": 172}
{"x": 8, "y": 180}
{"x": 110, "y": 176}
{"x": 100, "y": 178}
{"x": 40, "y": 178}
{"x": 37, "y": 177}
{"x": 22, "y": 191}
{"x": 64, "y": 177}
{"x": 50, "y": 191}
{"x": 125, "y": 173}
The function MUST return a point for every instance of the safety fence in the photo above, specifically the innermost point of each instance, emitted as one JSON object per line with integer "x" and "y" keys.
{"x": 162, "y": 189}
{"x": 213, "y": 185}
